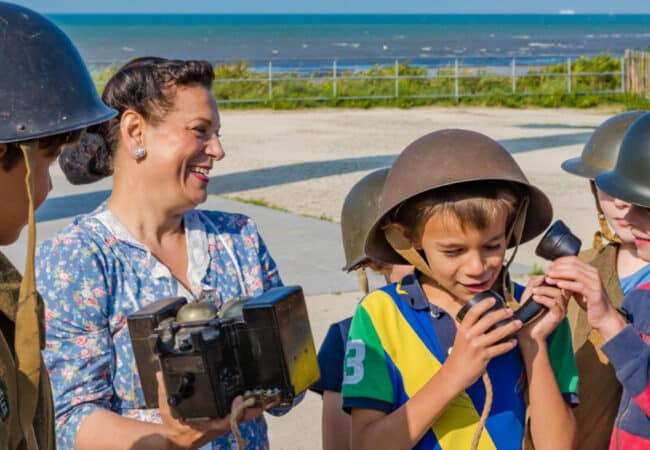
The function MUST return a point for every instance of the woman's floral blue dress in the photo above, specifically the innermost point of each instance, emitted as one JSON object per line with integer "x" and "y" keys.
{"x": 93, "y": 274}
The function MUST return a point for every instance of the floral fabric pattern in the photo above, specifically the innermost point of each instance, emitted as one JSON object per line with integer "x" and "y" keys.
{"x": 94, "y": 273}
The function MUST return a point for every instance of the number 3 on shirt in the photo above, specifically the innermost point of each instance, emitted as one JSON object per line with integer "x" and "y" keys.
{"x": 354, "y": 355}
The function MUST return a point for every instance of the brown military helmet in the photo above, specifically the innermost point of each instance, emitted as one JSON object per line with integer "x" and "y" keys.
{"x": 598, "y": 156}
{"x": 629, "y": 180}
{"x": 358, "y": 214}
{"x": 451, "y": 157}
{"x": 600, "y": 152}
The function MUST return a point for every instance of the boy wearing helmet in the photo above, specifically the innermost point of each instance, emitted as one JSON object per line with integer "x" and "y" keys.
{"x": 46, "y": 99}
{"x": 621, "y": 269}
{"x": 359, "y": 212}
{"x": 453, "y": 202}
{"x": 625, "y": 331}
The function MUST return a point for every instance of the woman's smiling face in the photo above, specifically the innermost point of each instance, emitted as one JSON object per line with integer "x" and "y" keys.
{"x": 182, "y": 147}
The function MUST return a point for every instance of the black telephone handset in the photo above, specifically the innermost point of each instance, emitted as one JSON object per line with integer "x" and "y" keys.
{"x": 558, "y": 241}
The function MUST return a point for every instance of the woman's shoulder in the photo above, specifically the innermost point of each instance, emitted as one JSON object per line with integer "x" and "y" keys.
{"x": 84, "y": 232}
{"x": 224, "y": 222}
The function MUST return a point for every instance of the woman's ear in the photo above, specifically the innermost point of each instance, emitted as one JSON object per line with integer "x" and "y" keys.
{"x": 132, "y": 126}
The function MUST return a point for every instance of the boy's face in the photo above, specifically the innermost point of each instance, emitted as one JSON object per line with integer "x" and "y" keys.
{"x": 464, "y": 261}
{"x": 615, "y": 211}
{"x": 15, "y": 203}
{"x": 639, "y": 219}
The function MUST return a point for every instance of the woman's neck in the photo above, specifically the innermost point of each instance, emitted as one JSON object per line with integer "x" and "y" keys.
{"x": 628, "y": 261}
{"x": 149, "y": 222}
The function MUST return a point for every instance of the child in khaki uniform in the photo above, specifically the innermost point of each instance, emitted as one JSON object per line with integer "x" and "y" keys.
{"x": 624, "y": 331}
{"x": 40, "y": 112}
{"x": 621, "y": 269}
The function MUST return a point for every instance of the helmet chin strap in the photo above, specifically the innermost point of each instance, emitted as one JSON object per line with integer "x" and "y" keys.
{"x": 604, "y": 231}
{"x": 404, "y": 247}
{"x": 27, "y": 341}
{"x": 362, "y": 277}
{"x": 516, "y": 231}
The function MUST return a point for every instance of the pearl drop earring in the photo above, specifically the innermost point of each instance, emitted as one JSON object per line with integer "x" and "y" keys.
{"x": 139, "y": 152}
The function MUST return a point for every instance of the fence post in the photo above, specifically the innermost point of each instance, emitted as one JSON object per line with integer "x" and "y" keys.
{"x": 270, "y": 80}
{"x": 456, "y": 86}
{"x": 396, "y": 78}
{"x": 568, "y": 68}
{"x": 623, "y": 75}
{"x": 334, "y": 79}
{"x": 514, "y": 76}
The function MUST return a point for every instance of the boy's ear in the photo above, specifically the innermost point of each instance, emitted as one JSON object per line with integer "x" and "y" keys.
{"x": 417, "y": 244}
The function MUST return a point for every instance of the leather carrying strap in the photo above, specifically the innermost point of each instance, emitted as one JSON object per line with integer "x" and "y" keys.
{"x": 27, "y": 341}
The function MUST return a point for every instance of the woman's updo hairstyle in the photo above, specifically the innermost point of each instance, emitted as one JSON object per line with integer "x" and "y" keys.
{"x": 145, "y": 85}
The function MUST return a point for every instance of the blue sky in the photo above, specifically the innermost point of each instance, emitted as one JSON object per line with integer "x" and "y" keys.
{"x": 340, "y": 6}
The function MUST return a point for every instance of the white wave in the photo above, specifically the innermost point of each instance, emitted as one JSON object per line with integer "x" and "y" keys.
{"x": 425, "y": 49}
{"x": 128, "y": 49}
{"x": 521, "y": 36}
{"x": 542, "y": 44}
{"x": 275, "y": 52}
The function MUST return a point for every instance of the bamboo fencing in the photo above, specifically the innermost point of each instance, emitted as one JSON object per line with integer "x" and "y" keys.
{"x": 637, "y": 72}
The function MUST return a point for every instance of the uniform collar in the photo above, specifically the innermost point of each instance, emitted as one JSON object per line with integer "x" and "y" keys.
{"x": 411, "y": 291}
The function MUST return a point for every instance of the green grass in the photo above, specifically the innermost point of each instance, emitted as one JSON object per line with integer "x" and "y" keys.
{"x": 547, "y": 88}
{"x": 257, "y": 202}
{"x": 536, "y": 270}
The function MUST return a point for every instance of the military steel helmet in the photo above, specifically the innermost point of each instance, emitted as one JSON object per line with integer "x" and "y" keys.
{"x": 45, "y": 88}
{"x": 600, "y": 152}
{"x": 629, "y": 180}
{"x": 359, "y": 212}
{"x": 451, "y": 157}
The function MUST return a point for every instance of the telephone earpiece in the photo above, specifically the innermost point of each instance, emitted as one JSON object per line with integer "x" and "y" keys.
{"x": 557, "y": 242}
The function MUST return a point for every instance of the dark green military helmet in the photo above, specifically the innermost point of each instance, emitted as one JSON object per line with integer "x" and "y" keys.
{"x": 359, "y": 213}
{"x": 600, "y": 152}
{"x": 45, "y": 88}
{"x": 630, "y": 180}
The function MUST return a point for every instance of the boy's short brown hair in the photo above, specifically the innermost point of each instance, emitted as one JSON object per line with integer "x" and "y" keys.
{"x": 473, "y": 204}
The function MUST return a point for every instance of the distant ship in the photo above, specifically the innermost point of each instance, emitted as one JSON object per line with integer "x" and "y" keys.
{"x": 567, "y": 12}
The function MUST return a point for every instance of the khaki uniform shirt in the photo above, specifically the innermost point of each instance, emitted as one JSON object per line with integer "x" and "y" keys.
{"x": 600, "y": 390}
{"x": 11, "y": 433}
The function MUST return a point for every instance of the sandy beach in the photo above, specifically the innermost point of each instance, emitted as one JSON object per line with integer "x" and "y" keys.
{"x": 306, "y": 161}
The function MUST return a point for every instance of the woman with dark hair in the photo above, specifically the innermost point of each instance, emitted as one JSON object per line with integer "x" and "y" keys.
{"x": 146, "y": 242}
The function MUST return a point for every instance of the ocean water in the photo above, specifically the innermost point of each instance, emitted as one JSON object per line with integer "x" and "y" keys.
{"x": 310, "y": 42}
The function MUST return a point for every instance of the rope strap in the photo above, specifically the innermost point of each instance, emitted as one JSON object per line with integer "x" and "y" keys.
{"x": 27, "y": 340}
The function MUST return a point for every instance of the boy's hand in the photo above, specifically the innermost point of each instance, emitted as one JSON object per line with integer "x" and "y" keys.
{"x": 474, "y": 346}
{"x": 583, "y": 281}
{"x": 551, "y": 296}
